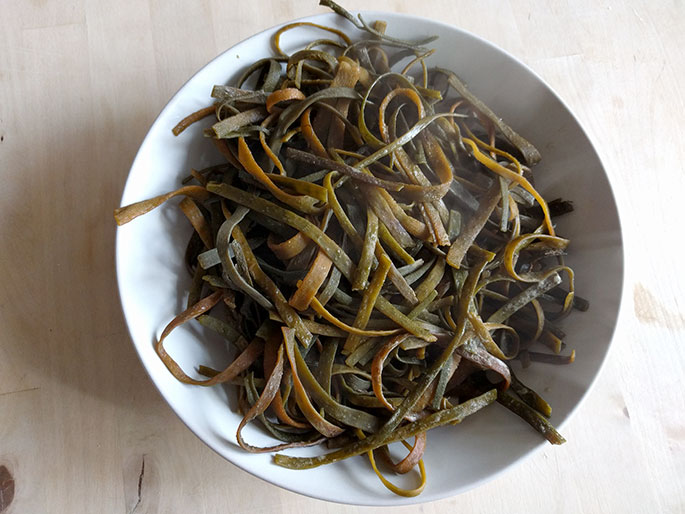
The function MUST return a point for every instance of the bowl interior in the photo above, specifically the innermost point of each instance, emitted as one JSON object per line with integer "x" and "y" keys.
{"x": 152, "y": 277}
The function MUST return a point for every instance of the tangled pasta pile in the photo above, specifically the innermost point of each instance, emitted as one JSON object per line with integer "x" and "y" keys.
{"x": 373, "y": 248}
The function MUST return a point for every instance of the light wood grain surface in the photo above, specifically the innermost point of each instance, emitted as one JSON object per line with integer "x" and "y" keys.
{"x": 83, "y": 430}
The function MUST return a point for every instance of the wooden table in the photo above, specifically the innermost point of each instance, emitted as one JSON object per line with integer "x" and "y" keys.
{"x": 81, "y": 427}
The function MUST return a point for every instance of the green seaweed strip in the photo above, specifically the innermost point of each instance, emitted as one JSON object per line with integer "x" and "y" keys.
{"x": 454, "y": 225}
{"x": 422, "y": 306}
{"x": 346, "y": 169}
{"x": 222, "y": 241}
{"x": 362, "y": 25}
{"x": 530, "y": 397}
{"x": 234, "y": 94}
{"x": 405, "y": 270}
{"x": 348, "y": 416}
{"x": 362, "y": 351}
{"x": 524, "y": 298}
{"x": 431, "y": 281}
{"x": 224, "y": 128}
{"x": 331, "y": 286}
{"x": 216, "y": 282}
{"x": 452, "y": 415}
{"x": 211, "y": 258}
{"x": 504, "y": 190}
{"x": 288, "y": 276}
{"x": 473, "y": 227}
{"x": 273, "y": 76}
{"x": 341, "y": 260}
{"x": 418, "y": 127}
{"x": 258, "y": 65}
{"x": 425, "y": 380}
{"x": 361, "y": 275}
{"x": 324, "y": 368}
{"x": 416, "y": 274}
{"x": 294, "y": 111}
{"x": 368, "y": 301}
{"x": 285, "y": 311}
{"x": 224, "y": 329}
{"x": 443, "y": 379}
{"x": 532, "y": 417}
{"x": 529, "y": 152}
{"x": 195, "y": 293}
{"x": 281, "y": 435}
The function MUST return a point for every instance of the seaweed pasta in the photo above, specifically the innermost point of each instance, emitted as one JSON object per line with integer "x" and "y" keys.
{"x": 372, "y": 247}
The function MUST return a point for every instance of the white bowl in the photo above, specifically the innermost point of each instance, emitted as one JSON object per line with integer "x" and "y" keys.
{"x": 152, "y": 278}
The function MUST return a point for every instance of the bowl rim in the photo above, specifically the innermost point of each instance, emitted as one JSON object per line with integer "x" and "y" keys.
{"x": 620, "y": 286}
